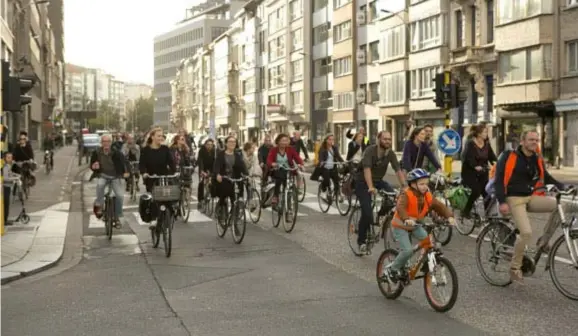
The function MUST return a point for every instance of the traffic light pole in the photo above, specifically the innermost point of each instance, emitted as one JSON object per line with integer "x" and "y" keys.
{"x": 448, "y": 160}
{"x": 2, "y": 148}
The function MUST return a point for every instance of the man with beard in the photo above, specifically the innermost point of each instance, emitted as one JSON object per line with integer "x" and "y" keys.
{"x": 428, "y": 128}
{"x": 376, "y": 159}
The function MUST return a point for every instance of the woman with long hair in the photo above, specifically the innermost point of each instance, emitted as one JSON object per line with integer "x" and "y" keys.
{"x": 228, "y": 163}
{"x": 416, "y": 149}
{"x": 282, "y": 155}
{"x": 356, "y": 147}
{"x": 206, "y": 161}
{"x": 180, "y": 151}
{"x": 478, "y": 157}
{"x": 328, "y": 156}
{"x": 155, "y": 158}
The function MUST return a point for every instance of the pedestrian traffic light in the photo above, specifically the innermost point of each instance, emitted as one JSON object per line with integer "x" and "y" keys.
{"x": 15, "y": 89}
{"x": 25, "y": 84}
{"x": 439, "y": 90}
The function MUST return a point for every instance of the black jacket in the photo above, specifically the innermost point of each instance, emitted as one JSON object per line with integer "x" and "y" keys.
{"x": 156, "y": 161}
{"x": 23, "y": 153}
{"x": 353, "y": 147}
{"x": 117, "y": 159}
{"x": 206, "y": 159}
{"x": 299, "y": 146}
{"x": 239, "y": 167}
{"x": 262, "y": 153}
{"x": 324, "y": 154}
{"x": 48, "y": 144}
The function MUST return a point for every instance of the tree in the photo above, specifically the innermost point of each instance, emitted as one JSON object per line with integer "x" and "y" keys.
{"x": 106, "y": 117}
{"x": 141, "y": 114}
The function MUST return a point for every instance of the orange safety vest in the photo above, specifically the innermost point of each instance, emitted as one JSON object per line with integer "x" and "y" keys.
{"x": 412, "y": 209}
{"x": 509, "y": 171}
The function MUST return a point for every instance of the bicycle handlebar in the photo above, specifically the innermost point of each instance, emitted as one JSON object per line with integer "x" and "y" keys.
{"x": 287, "y": 168}
{"x": 241, "y": 179}
{"x": 569, "y": 191}
{"x": 164, "y": 176}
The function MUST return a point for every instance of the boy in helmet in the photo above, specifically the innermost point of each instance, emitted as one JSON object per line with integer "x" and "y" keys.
{"x": 413, "y": 205}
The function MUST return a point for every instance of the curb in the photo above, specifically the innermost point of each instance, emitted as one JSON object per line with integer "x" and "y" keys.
{"x": 40, "y": 264}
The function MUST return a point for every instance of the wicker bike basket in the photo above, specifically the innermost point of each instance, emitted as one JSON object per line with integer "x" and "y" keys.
{"x": 166, "y": 193}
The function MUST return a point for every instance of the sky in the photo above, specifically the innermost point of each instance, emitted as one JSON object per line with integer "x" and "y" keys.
{"x": 117, "y": 35}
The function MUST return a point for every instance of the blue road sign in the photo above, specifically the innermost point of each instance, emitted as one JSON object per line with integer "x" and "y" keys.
{"x": 449, "y": 142}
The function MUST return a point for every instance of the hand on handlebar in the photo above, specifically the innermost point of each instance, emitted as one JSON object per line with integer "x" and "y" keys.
{"x": 219, "y": 178}
{"x": 372, "y": 190}
{"x": 410, "y": 222}
{"x": 95, "y": 166}
{"x": 145, "y": 175}
{"x": 452, "y": 221}
{"x": 274, "y": 165}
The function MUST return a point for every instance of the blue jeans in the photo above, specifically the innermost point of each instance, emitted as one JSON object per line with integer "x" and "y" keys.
{"x": 405, "y": 247}
{"x": 116, "y": 185}
{"x": 364, "y": 197}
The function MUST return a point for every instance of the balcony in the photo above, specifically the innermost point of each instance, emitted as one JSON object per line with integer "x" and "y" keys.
{"x": 469, "y": 55}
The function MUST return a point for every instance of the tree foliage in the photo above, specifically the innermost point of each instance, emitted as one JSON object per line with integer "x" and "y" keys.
{"x": 106, "y": 117}
{"x": 141, "y": 114}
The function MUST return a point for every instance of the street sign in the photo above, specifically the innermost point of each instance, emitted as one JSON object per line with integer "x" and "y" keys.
{"x": 449, "y": 142}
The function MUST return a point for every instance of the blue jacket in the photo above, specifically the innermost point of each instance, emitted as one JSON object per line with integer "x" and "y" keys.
{"x": 413, "y": 156}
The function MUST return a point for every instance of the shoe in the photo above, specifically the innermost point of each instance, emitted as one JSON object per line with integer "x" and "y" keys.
{"x": 97, "y": 211}
{"x": 362, "y": 248}
{"x": 391, "y": 275}
{"x": 516, "y": 276}
{"x": 542, "y": 244}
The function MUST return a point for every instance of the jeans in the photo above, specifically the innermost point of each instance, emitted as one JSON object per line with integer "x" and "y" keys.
{"x": 329, "y": 175}
{"x": 116, "y": 185}
{"x": 405, "y": 247}
{"x": 6, "y": 202}
{"x": 364, "y": 197}
{"x": 280, "y": 177}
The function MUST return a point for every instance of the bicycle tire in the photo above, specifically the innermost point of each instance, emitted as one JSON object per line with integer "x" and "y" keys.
{"x": 393, "y": 294}
{"x": 156, "y": 232}
{"x": 304, "y": 187}
{"x": 167, "y": 232}
{"x": 320, "y": 200}
{"x": 255, "y": 217}
{"x": 387, "y": 233}
{"x": 479, "y": 241}
{"x": 109, "y": 218}
{"x": 552, "y": 269}
{"x": 352, "y": 230}
{"x": 440, "y": 260}
{"x": 47, "y": 168}
{"x": 221, "y": 220}
{"x": 293, "y": 199}
{"x": 25, "y": 188}
{"x": 346, "y": 199}
{"x": 133, "y": 188}
{"x": 238, "y": 223}
{"x": 448, "y": 238}
{"x": 277, "y": 211}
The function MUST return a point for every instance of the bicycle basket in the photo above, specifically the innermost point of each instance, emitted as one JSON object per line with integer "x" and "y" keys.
{"x": 166, "y": 193}
{"x": 458, "y": 197}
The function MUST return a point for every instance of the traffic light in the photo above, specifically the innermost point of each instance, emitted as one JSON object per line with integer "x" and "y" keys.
{"x": 15, "y": 89}
{"x": 439, "y": 90}
{"x": 25, "y": 84}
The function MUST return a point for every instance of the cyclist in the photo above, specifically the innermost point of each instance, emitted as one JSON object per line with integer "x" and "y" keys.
{"x": 206, "y": 161}
{"x": 180, "y": 151}
{"x": 355, "y": 148}
{"x": 477, "y": 159}
{"x": 108, "y": 165}
{"x": 131, "y": 152}
{"x": 23, "y": 153}
{"x": 432, "y": 147}
{"x": 48, "y": 145}
{"x": 328, "y": 156}
{"x": 416, "y": 149}
{"x": 262, "y": 154}
{"x": 519, "y": 186}
{"x": 155, "y": 159}
{"x": 282, "y": 155}
{"x": 228, "y": 162}
{"x": 252, "y": 164}
{"x": 376, "y": 158}
{"x": 298, "y": 144}
{"x": 412, "y": 207}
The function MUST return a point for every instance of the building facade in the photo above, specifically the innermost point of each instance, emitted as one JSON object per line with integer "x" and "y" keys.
{"x": 202, "y": 25}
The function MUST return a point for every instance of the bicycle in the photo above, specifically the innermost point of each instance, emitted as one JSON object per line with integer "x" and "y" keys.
{"x": 185, "y": 200}
{"x": 236, "y": 216}
{"x": 25, "y": 167}
{"x": 133, "y": 179}
{"x": 501, "y": 233}
{"x": 301, "y": 187}
{"x": 22, "y": 217}
{"x": 383, "y": 217}
{"x": 109, "y": 211}
{"x": 207, "y": 204}
{"x": 255, "y": 200}
{"x": 166, "y": 195}
{"x": 333, "y": 194}
{"x": 287, "y": 204}
{"x": 48, "y": 161}
{"x": 438, "y": 186}
{"x": 430, "y": 260}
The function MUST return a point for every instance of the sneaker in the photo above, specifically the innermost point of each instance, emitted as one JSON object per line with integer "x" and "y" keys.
{"x": 362, "y": 248}
{"x": 516, "y": 276}
{"x": 391, "y": 275}
{"x": 542, "y": 244}
{"x": 97, "y": 211}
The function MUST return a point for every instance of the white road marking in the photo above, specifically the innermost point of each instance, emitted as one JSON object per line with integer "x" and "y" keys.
{"x": 315, "y": 206}
{"x": 95, "y": 223}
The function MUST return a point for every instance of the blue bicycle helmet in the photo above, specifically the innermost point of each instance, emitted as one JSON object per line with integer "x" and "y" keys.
{"x": 416, "y": 174}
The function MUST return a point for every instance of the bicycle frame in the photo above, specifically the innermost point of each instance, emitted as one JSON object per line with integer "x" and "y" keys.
{"x": 426, "y": 246}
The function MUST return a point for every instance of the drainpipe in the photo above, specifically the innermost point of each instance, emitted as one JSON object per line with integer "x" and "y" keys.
{"x": 558, "y": 146}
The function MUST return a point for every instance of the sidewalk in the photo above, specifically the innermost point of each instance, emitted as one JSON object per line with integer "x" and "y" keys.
{"x": 33, "y": 247}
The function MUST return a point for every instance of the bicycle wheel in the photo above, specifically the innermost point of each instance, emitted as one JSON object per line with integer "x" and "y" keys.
{"x": 132, "y": 188}
{"x": 501, "y": 240}
{"x": 47, "y": 168}
{"x": 387, "y": 233}
{"x": 443, "y": 234}
{"x": 238, "y": 222}
{"x": 324, "y": 203}
{"x": 277, "y": 211}
{"x": 390, "y": 290}
{"x": 167, "y": 231}
{"x": 156, "y": 231}
{"x": 560, "y": 270}
{"x": 221, "y": 219}
{"x": 185, "y": 205}
{"x": 430, "y": 281}
{"x": 342, "y": 202}
{"x": 353, "y": 229}
{"x": 303, "y": 188}
{"x": 25, "y": 188}
{"x": 255, "y": 203}
{"x": 290, "y": 210}
{"x": 109, "y": 222}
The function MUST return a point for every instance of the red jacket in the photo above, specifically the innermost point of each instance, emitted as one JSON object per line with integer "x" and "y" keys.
{"x": 291, "y": 153}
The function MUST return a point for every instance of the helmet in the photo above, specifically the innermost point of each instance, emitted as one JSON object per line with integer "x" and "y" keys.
{"x": 416, "y": 174}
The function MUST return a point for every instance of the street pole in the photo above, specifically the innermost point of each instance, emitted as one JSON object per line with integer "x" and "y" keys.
{"x": 448, "y": 121}
{"x": 2, "y": 150}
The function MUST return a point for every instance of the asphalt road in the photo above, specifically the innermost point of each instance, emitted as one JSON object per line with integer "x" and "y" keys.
{"x": 304, "y": 283}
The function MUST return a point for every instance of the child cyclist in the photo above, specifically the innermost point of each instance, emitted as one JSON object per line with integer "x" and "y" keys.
{"x": 413, "y": 205}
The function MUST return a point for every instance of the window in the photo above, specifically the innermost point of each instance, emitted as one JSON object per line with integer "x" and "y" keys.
{"x": 572, "y": 56}
{"x": 276, "y": 76}
{"x": 296, "y": 9}
{"x": 393, "y": 43}
{"x": 262, "y": 81}
{"x": 374, "y": 51}
{"x": 422, "y": 81}
{"x": 362, "y": 50}
{"x": 322, "y": 100}
{"x": 276, "y": 20}
{"x": 296, "y": 100}
{"x": 318, "y": 4}
{"x": 262, "y": 42}
{"x": 278, "y": 99}
{"x": 459, "y": 29}
{"x": 342, "y": 66}
{"x": 248, "y": 85}
{"x": 363, "y": 88}
{"x": 426, "y": 33}
{"x": 343, "y": 101}
{"x": 320, "y": 33}
{"x": 277, "y": 48}
{"x": 373, "y": 92}
{"x": 392, "y": 88}
{"x": 322, "y": 67}
{"x": 512, "y": 10}
{"x": 490, "y": 21}
{"x": 297, "y": 39}
{"x": 525, "y": 64}
{"x": 340, "y": 3}
{"x": 342, "y": 31}
{"x": 373, "y": 13}
{"x": 473, "y": 25}
{"x": 572, "y": 2}
{"x": 296, "y": 70}
{"x": 362, "y": 9}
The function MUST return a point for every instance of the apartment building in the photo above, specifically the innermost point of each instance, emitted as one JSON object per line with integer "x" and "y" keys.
{"x": 202, "y": 24}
